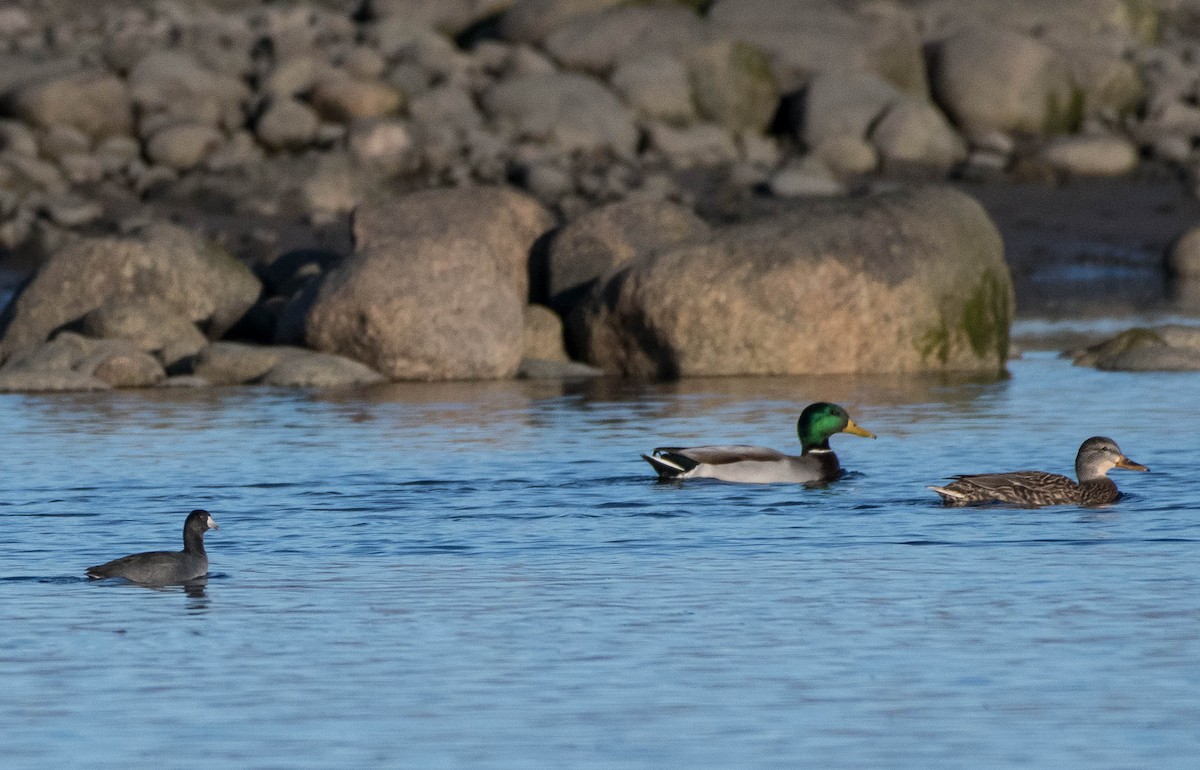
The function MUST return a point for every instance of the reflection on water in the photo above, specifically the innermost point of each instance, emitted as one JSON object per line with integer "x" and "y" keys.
{"x": 487, "y": 574}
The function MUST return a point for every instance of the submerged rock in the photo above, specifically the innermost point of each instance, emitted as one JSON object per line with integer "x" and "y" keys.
{"x": 1170, "y": 348}
{"x": 299, "y": 368}
{"x": 904, "y": 282}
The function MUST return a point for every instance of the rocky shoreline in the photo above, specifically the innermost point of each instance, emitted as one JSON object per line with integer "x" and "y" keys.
{"x": 329, "y": 193}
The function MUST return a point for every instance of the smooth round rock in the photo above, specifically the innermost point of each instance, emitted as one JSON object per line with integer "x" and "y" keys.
{"x": 1092, "y": 155}
{"x": 1183, "y": 258}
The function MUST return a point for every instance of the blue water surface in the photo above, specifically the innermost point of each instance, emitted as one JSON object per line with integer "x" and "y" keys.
{"x": 487, "y": 575}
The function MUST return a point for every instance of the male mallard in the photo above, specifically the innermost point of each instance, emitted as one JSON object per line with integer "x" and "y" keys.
{"x": 759, "y": 465}
{"x": 1097, "y": 456}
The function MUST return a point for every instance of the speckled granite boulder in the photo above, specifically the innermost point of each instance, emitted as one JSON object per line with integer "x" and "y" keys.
{"x": 996, "y": 79}
{"x": 203, "y": 283}
{"x": 436, "y": 288}
{"x": 612, "y": 235}
{"x": 903, "y": 282}
{"x": 570, "y": 110}
{"x": 150, "y": 323}
{"x": 74, "y": 362}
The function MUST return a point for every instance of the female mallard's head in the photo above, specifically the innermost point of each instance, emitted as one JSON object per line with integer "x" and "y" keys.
{"x": 1099, "y": 455}
{"x": 820, "y": 421}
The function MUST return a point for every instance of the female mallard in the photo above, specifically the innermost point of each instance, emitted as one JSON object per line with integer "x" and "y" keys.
{"x": 759, "y": 465}
{"x": 1097, "y": 456}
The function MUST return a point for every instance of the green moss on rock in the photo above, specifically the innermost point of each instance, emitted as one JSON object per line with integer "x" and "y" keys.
{"x": 1144, "y": 20}
{"x": 732, "y": 84}
{"x": 986, "y": 318}
{"x": 982, "y": 323}
{"x": 1064, "y": 115}
{"x": 935, "y": 343}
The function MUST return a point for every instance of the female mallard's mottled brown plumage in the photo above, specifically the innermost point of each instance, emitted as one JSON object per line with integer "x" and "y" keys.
{"x": 1097, "y": 456}
{"x": 816, "y": 462}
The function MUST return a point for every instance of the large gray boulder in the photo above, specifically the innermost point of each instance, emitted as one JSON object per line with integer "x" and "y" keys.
{"x": 543, "y": 334}
{"x": 838, "y": 104}
{"x": 995, "y": 79}
{"x": 199, "y": 280}
{"x": 449, "y": 16}
{"x": 803, "y": 37}
{"x": 903, "y": 282}
{"x": 530, "y": 21}
{"x": 592, "y": 245}
{"x": 916, "y": 133}
{"x": 732, "y": 84}
{"x": 570, "y": 110}
{"x": 436, "y": 288}
{"x": 597, "y": 42}
{"x": 503, "y": 221}
{"x": 152, "y": 324}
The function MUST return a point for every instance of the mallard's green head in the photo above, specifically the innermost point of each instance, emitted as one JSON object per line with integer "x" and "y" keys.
{"x": 820, "y": 421}
{"x": 1099, "y": 455}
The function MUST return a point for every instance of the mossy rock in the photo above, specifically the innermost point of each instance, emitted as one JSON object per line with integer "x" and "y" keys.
{"x": 732, "y": 85}
{"x": 1145, "y": 21}
{"x": 982, "y": 322}
{"x": 910, "y": 281}
{"x": 1064, "y": 111}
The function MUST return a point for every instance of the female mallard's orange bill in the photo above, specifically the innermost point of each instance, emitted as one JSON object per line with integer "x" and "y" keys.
{"x": 1130, "y": 465}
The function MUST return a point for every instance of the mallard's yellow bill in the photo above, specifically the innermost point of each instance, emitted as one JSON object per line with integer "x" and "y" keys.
{"x": 854, "y": 429}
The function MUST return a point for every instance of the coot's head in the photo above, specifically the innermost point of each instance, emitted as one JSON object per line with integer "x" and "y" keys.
{"x": 200, "y": 521}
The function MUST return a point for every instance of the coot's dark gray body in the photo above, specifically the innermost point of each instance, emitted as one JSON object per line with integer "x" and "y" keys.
{"x": 165, "y": 567}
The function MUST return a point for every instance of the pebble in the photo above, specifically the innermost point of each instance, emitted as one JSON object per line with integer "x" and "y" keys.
{"x": 287, "y": 124}
{"x": 807, "y": 177}
{"x": 1092, "y": 155}
{"x": 1183, "y": 258}
{"x": 382, "y": 143}
{"x": 183, "y": 146}
{"x": 343, "y": 98}
{"x": 847, "y": 155}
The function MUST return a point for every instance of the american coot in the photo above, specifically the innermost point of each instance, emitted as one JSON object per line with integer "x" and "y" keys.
{"x": 759, "y": 465}
{"x": 1097, "y": 456}
{"x": 163, "y": 567}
